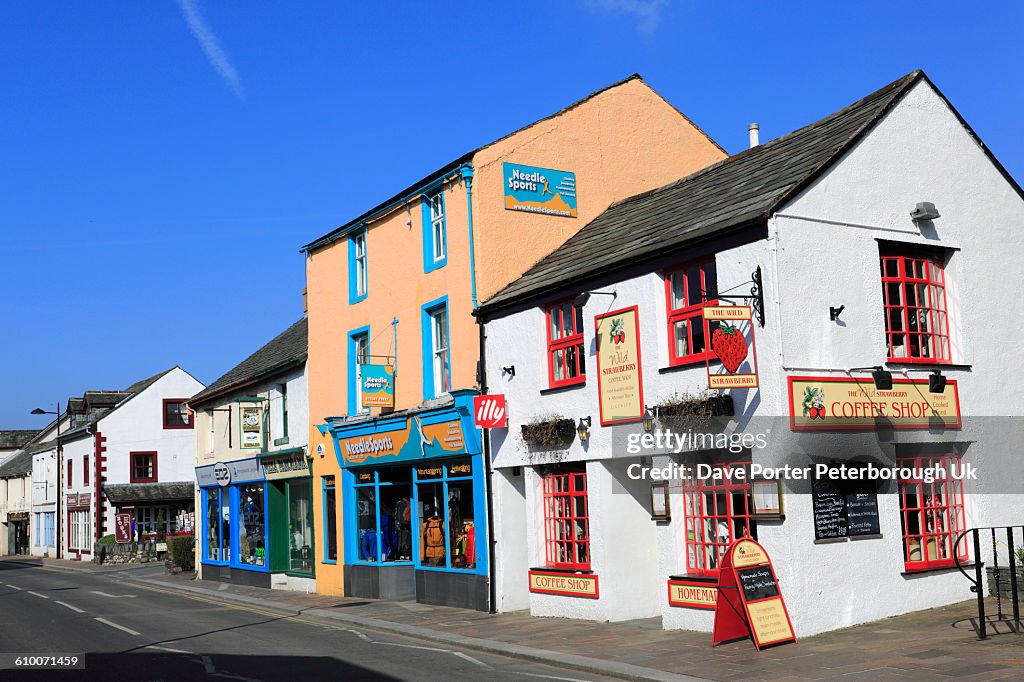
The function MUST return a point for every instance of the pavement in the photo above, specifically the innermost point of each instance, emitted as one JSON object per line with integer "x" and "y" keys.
{"x": 937, "y": 644}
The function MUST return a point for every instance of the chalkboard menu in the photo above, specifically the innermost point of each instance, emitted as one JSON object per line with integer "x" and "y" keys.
{"x": 758, "y": 583}
{"x": 844, "y": 509}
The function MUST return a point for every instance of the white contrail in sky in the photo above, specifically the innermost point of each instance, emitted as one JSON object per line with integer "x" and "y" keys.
{"x": 211, "y": 46}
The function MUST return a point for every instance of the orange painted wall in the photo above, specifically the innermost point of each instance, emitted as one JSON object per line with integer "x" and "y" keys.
{"x": 599, "y": 140}
{"x": 621, "y": 142}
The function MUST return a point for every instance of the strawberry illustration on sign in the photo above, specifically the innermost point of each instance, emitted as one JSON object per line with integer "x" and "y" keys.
{"x": 617, "y": 334}
{"x": 814, "y": 403}
{"x": 730, "y": 347}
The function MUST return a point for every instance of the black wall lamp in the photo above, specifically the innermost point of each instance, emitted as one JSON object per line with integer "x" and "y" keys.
{"x": 583, "y": 428}
{"x": 509, "y": 370}
{"x": 925, "y": 210}
{"x": 881, "y": 377}
{"x": 581, "y": 299}
{"x": 936, "y": 379}
{"x": 834, "y": 313}
{"x": 648, "y": 420}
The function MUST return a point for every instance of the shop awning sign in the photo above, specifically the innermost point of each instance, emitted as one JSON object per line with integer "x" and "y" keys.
{"x": 846, "y": 403}
{"x": 730, "y": 335}
{"x": 377, "y": 385}
{"x": 415, "y": 440}
{"x": 540, "y": 190}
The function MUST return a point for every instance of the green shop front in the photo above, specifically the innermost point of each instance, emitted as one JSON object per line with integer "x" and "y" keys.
{"x": 413, "y": 489}
{"x": 257, "y": 520}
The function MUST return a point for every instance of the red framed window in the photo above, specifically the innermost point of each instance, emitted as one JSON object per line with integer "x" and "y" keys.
{"x": 85, "y": 470}
{"x": 916, "y": 322}
{"x": 177, "y": 414}
{"x": 70, "y": 469}
{"x": 687, "y": 290}
{"x": 566, "y": 519}
{"x": 143, "y": 467}
{"x": 717, "y": 512}
{"x": 931, "y": 511}
{"x": 566, "y": 354}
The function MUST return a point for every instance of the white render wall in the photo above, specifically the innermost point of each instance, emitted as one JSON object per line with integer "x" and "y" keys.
{"x": 821, "y": 251}
{"x": 76, "y": 453}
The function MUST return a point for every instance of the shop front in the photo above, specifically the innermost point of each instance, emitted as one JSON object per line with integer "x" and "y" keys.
{"x": 256, "y": 523}
{"x": 413, "y": 489}
{"x": 17, "y": 533}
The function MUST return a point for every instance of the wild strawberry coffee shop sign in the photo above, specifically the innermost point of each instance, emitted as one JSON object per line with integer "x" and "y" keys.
{"x": 732, "y": 344}
{"x": 855, "y": 403}
{"x": 619, "y": 384}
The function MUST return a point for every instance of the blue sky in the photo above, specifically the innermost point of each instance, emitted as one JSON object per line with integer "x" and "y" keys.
{"x": 164, "y": 161}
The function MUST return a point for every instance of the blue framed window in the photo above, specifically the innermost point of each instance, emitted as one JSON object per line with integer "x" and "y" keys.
{"x": 235, "y": 523}
{"x": 383, "y": 516}
{"x": 358, "y": 354}
{"x": 330, "y": 507}
{"x": 435, "y": 232}
{"x": 358, "y": 275}
{"x": 446, "y": 509}
{"x": 216, "y": 516}
{"x": 437, "y": 375}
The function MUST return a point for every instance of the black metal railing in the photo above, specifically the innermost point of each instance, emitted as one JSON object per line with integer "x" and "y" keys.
{"x": 998, "y": 575}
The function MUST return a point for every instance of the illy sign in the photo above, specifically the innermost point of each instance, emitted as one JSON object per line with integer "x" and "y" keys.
{"x": 489, "y": 411}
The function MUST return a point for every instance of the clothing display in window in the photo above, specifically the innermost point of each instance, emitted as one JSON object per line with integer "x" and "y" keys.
{"x": 433, "y": 541}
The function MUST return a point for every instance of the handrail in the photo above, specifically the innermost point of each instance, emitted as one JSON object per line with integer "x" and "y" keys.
{"x": 978, "y": 586}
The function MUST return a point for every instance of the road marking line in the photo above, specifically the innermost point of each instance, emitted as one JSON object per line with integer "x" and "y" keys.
{"x": 551, "y": 677}
{"x": 167, "y": 648}
{"x": 414, "y": 646}
{"x": 208, "y": 665}
{"x": 358, "y": 634}
{"x": 36, "y": 594}
{"x": 14, "y": 586}
{"x": 119, "y": 627}
{"x": 73, "y": 608}
{"x": 113, "y": 596}
{"x": 467, "y": 657}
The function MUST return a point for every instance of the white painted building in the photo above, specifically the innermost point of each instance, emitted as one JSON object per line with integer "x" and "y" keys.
{"x": 131, "y": 452}
{"x": 824, "y": 214}
{"x": 254, "y": 499}
{"x": 16, "y": 490}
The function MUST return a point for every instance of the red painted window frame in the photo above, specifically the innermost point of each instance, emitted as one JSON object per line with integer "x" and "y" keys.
{"x": 131, "y": 473}
{"x": 561, "y": 489}
{"x": 689, "y": 311}
{"x": 70, "y": 469}
{"x": 565, "y": 342}
{"x": 191, "y": 419}
{"x": 696, "y": 516}
{"x": 945, "y": 516}
{"x": 937, "y": 311}
{"x": 85, "y": 470}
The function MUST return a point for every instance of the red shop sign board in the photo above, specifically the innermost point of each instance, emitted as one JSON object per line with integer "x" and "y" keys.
{"x": 732, "y": 344}
{"x": 122, "y": 527}
{"x": 490, "y": 412}
{"x": 750, "y": 603}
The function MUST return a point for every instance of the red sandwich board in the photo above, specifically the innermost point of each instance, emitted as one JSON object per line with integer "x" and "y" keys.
{"x": 749, "y": 601}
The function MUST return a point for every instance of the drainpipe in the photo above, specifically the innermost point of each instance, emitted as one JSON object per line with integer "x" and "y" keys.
{"x": 467, "y": 174}
{"x": 492, "y": 588}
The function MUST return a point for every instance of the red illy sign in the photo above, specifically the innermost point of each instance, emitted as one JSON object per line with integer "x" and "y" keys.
{"x": 489, "y": 411}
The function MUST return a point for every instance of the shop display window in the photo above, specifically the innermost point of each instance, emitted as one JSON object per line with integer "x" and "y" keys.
{"x": 153, "y": 520}
{"x": 78, "y": 529}
{"x": 330, "y": 520}
{"x": 566, "y": 352}
{"x": 687, "y": 291}
{"x": 384, "y": 515}
{"x": 447, "y": 528}
{"x": 718, "y": 511}
{"x": 914, "y": 299}
{"x": 566, "y": 519}
{"x": 300, "y": 526}
{"x": 213, "y": 525}
{"x": 252, "y": 547}
{"x": 931, "y": 513}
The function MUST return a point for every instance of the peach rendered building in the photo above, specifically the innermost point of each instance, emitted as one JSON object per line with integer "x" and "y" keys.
{"x": 400, "y": 483}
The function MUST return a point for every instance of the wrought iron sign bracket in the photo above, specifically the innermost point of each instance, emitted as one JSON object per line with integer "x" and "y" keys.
{"x": 756, "y": 295}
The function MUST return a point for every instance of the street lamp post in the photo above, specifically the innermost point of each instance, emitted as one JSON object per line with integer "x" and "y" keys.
{"x": 56, "y": 520}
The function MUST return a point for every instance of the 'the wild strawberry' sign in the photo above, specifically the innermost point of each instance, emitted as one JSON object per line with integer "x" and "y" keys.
{"x": 620, "y": 385}
{"x": 731, "y": 337}
{"x": 489, "y": 411}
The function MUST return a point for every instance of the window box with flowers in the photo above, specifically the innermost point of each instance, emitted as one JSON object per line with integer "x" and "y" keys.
{"x": 549, "y": 432}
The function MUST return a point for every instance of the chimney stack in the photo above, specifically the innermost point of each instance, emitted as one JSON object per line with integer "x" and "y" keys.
{"x": 753, "y": 129}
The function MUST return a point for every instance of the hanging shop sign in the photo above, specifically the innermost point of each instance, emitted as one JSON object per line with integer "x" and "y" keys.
{"x": 250, "y": 426}
{"x": 540, "y": 190}
{"x": 378, "y": 385}
{"x": 749, "y": 602}
{"x": 691, "y": 594}
{"x": 413, "y": 440}
{"x": 731, "y": 332}
{"x": 489, "y": 411}
{"x": 122, "y": 527}
{"x": 620, "y": 386}
{"x": 852, "y": 403}
{"x": 285, "y": 465}
{"x": 564, "y": 584}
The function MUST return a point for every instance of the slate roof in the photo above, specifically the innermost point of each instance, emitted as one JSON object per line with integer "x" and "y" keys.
{"x": 16, "y": 438}
{"x": 140, "y": 386}
{"x": 736, "y": 192}
{"x": 286, "y": 350}
{"x": 105, "y": 398}
{"x": 449, "y": 168}
{"x": 17, "y": 465}
{"x": 126, "y": 493}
